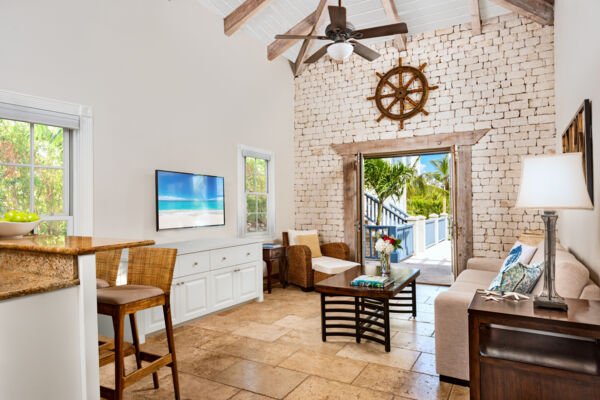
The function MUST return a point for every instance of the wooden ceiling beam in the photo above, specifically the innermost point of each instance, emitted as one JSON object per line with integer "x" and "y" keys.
{"x": 280, "y": 46}
{"x": 541, "y": 11}
{"x": 475, "y": 17}
{"x": 305, "y": 50}
{"x": 392, "y": 13}
{"x": 238, "y": 17}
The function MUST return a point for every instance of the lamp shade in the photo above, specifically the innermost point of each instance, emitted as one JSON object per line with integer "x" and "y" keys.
{"x": 553, "y": 182}
{"x": 340, "y": 50}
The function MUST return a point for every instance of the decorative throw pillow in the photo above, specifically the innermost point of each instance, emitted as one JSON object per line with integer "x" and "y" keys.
{"x": 520, "y": 252}
{"x": 312, "y": 241}
{"x": 517, "y": 277}
{"x": 293, "y": 235}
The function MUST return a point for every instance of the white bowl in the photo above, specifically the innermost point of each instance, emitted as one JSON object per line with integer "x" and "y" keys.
{"x": 16, "y": 229}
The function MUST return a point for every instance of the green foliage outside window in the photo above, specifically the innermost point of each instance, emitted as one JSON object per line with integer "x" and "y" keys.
{"x": 256, "y": 194}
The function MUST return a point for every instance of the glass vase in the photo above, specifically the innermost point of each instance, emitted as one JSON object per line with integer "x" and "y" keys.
{"x": 385, "y": 264}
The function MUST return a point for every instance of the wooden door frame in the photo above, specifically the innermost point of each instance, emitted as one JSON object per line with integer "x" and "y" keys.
{"x": 410, "y": 145}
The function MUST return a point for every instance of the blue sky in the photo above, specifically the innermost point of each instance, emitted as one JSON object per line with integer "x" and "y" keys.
{"x": 426, "y": 161}
{"x": 176, "y": 186}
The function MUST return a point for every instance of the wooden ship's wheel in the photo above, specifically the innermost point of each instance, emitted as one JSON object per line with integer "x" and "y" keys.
{"x": 402, "y": 93}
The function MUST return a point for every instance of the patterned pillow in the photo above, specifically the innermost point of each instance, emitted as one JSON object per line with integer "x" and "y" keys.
{"x": 517, "y": 277}
{"x": 520, "y": 252}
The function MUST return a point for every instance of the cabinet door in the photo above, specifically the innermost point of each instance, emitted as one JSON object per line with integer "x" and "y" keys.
{"x": 247, "y": 282}
{"x": 154, "y": 319}
{"x": 192, "y": 296}
{"x": 222, "y": 285}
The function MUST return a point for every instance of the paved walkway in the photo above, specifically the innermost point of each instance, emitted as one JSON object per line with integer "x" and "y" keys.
{"x": 435, "y": 264}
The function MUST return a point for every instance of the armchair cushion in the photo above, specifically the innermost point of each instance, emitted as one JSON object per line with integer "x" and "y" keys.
{"x": 331, "y": 266}
{"x": 293, "y": 235}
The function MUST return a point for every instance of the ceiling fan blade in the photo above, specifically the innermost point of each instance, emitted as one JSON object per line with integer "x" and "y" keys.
{"x": 317, "y": 54}
{"x": 337, "y": 16}
{"x": 300, "y": 37}
{"x": 364, "y": 51}
{"x": 378, "y": 31}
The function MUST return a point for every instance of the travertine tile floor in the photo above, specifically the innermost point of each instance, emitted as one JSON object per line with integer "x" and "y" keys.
{"x": 273, "y": 350}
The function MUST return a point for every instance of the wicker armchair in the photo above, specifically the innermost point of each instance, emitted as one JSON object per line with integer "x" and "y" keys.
{"x": 300, "y": 271}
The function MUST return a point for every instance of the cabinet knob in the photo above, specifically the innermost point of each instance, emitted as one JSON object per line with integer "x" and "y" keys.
{"x": 248, "y": 253}
{"x": 196, "y": 264}
{"x": 224, "y": 258}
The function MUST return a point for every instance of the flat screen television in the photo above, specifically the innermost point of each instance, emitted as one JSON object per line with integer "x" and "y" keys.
{"x": 186, "y": 200}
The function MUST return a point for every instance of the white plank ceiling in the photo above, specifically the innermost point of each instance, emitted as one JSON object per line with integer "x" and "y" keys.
{"x": 419, "y": 15}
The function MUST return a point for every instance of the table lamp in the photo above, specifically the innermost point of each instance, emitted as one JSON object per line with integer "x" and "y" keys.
{"x": 552, "y": 182}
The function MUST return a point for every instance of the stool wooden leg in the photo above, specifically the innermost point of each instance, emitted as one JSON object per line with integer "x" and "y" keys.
{"x": 136, "y": 345}
{"x": 171, "y": 342}
{"x": 118, "y": 322}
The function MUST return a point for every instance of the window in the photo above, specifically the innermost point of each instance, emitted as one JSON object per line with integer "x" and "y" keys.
{"x": 35, "y": 174}
{"x": 256, "y": 200}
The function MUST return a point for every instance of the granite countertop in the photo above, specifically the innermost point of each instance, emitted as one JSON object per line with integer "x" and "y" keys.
{"x": 71, "y": 245}
{"x": 17, "y": 284}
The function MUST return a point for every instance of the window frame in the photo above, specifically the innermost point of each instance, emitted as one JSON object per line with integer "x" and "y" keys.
{"x": 269, "y": 156}
{"x": 78, "y": 120}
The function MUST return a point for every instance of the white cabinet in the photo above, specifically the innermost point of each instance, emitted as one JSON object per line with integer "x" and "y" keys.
{"x": 210, "y": 275}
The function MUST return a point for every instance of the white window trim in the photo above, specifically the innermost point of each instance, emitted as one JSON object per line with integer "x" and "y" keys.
{"x": 241, "y": 214}
{"x": 82, "y": 152}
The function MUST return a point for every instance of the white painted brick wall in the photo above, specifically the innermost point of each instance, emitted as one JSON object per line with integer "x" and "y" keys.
{"x": 502, "y": 79}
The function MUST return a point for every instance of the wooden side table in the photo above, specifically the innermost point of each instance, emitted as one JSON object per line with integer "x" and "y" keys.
{"x": 517, "y": 351}
{"x": 279, "y": 255}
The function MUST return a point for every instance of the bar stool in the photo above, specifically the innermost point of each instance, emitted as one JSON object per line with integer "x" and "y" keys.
{"x": 107, "y": 268}
{"x": 149, "y": 278}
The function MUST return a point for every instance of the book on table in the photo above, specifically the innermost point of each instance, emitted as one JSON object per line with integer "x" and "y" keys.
{"x": 374, "y": 281}
{"x": 271, "y": 246}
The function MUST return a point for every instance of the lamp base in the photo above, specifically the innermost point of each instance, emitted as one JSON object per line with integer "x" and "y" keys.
{"x": 553, "y": 303}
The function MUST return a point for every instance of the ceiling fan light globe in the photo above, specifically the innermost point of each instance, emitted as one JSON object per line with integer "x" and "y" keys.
{"x": 340, "y": 51}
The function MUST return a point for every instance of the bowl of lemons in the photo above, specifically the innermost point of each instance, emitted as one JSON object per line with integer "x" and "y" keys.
{"x": 15, "y": 224}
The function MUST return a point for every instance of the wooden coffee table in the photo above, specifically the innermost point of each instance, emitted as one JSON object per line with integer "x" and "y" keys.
{"x": 367, "y": 316}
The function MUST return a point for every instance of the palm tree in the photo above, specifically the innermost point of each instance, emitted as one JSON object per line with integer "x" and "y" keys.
{"x": 387, "y": 180}
{"x": 442, "y": 175}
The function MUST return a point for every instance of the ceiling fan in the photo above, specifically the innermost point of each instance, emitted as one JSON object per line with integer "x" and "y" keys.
{"x": 344, "y": 37}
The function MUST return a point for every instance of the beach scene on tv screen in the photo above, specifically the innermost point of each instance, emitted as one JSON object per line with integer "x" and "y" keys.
{"x": 186, "y": 200}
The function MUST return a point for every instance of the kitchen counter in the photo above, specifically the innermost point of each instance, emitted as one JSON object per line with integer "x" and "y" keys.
{"x": 48, "y": 309}
{"x": 16, "y": 284}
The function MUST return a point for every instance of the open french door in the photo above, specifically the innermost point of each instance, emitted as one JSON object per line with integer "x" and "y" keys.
{"x": 454, "y": 184}
{"x": 360, "y": 212}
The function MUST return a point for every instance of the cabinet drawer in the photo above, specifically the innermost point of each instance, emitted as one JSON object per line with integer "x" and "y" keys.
{"x": 192, "y": 263}
{"x": 234, "y": 255}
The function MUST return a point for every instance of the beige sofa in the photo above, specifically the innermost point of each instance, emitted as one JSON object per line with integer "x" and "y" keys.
{"x": 451, "y": 318}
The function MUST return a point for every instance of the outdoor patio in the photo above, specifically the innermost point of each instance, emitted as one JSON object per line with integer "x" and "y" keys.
{"x": 435, "y": 264}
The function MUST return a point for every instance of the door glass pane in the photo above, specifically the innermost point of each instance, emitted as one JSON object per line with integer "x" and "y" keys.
{"x": 14, "y": 189}
{"x": 15, "y": 142}
{"x": 251, "y": 222}
{"x": 52, "y": 228}
{"x": 48, "y": 144}
{"x": 48, "y": 188}
{"x": 261, "y": 225}
{"x": 261, "y": 203}
{"x": 251, "y": 203}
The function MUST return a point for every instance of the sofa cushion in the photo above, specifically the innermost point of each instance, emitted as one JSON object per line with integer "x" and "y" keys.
{"x": 476, "y": 276}
{"x": 485, "y": 264}
{"x": 468, "y": 287}
{"x": 517, "y": 277}
{"x": 520, "y": 252}
{"x": 591, "y": 291}
{"x": 312, "y": 241}
{"x": 331, "y": 266}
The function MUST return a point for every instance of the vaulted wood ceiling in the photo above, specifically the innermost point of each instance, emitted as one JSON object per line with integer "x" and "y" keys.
{"x": 264, "y": 19}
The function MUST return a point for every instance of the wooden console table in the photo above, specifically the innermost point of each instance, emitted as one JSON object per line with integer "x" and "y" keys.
{"x": 517, "y": 351}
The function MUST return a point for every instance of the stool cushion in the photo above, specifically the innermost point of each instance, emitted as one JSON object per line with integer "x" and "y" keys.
{"x": 101, "y": 283}
{"x": 124, "y": 294}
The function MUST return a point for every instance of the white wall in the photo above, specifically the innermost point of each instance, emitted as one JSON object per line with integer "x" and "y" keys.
{"x": 169, "y": 91}
{"x": 577, "y": 62}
